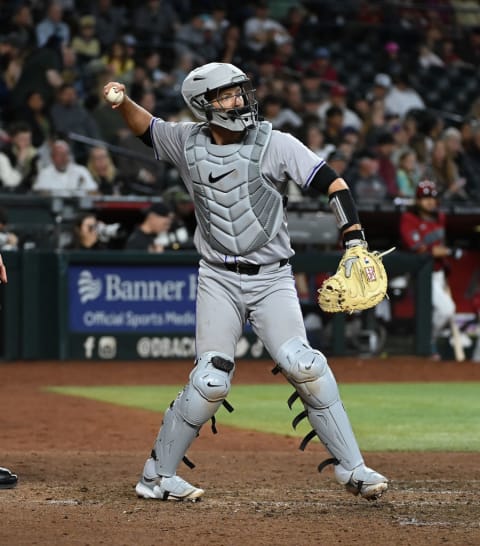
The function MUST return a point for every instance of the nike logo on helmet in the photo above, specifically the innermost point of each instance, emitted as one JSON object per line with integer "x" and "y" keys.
{"x": 213, "y": 179}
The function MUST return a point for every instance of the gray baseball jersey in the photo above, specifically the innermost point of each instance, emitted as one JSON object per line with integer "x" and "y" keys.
{"x": 226, "y": 299}
{"x": 285, "y": 158}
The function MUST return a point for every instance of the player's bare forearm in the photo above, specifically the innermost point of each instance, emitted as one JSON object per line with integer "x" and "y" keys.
{"x": 3, "y": 271}
{"x": 135, "y": 116}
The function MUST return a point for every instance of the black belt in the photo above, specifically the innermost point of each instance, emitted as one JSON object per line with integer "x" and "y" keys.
{"x": 250, "y": 269}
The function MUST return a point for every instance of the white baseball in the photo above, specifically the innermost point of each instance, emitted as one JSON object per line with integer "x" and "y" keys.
{"x": 115, "y": 96}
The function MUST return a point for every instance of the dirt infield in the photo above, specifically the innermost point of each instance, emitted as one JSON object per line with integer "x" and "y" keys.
{"x": 78, "y": 461}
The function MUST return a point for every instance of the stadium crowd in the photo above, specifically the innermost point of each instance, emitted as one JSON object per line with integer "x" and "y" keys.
{"x": 387, "y": 91}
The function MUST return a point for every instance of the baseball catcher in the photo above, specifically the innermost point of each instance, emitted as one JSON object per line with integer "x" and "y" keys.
{"x": 236, "y": 169}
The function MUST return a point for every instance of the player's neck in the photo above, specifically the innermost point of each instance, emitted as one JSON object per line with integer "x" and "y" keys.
{"x": 222, "y": 136}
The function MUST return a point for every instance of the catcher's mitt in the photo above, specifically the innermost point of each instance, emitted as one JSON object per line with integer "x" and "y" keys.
{"x": 359, "y": 283}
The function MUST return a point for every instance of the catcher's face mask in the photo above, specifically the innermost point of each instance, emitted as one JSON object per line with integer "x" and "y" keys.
{"x": 221, "y": 94}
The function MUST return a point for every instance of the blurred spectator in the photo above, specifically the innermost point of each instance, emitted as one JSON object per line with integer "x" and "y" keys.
{"x": 152, "y": 234}
{"x": 84, "y": 234}
{"x": 85, "y": 42}
{"x": 470, "y": 48}
{"x": 8, "y": 239}
{"x": 312, "y": 136}
{"x": 449, "y": 55}
{"x": 10, "y": 177}
{"x": 22, "y": 167}
{"x": 22, "y": 25}
{"x": 183, "y": 65}
{"x": 184, "y": 215}
{"x": 430, "y": 126}
{"x": 428, "y": 58}
{"x": 322, "y": 66}
{"x": 273, "y": 110}
{"x": 295, "y": 22}
{"x": 284, "y": 57}
{"x": 64, "y": 177}
{"x": 442, "y": 168}
{"x": 311, "y": 104}
{"x": 433, "y": 36}
{"x": 312, "y": 85}
{"x": 12, "y": 58}
{"x": 423, "y": 231}
{"x": 338, "y": 98}
{"x": 41, "y": 73}
{"x": 293, "y": 96}
{"x": 368, "y": 187}
{"x": 338, "y": 161}
{"x": 110, "y": 21}
{"x": 38, "y": 118}
{"x": 154, "y": 23}
{"x": 408, "y": 173}
{"x": 402, "y": 97}
{"x": 472, "y": 163}
{"x": 196, "y": 37}
{"x": 384, "y": 149}
{"x": 374, "y": 122}
{"x": 381, "y": 86}
{"x": 160, "y": 81}
{"x": 333, "y": 125}
{"x": 53, "y": 25}
{"x": 391, "y": 60}
{"x": 467, "y": 14}
{"x": 72, "y": 72}
{"x": 119, "y": 62}
{"x": 103, "y": 170}
{"x": 232, "y": 45}
{"x": 454, "y": 146}
{"x": 260, "y": 30}
{"x": 70, "y": 116}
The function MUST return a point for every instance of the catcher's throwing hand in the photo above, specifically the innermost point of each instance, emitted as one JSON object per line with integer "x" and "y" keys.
{"x": 359, "y": 283}
{"x": 114, "y": 93}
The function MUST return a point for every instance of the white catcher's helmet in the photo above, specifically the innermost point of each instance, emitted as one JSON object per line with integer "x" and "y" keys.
{"x": 209, "y": 80}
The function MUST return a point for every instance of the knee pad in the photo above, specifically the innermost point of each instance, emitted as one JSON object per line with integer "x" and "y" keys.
{"x": 211, "y": 376}
{"x": 308, "y": 371}
{"x": 209, "y": 385}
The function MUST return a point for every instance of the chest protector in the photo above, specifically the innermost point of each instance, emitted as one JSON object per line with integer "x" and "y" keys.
{"x": 237, "y": 210}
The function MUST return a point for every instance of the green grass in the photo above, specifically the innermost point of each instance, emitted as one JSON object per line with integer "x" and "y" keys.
{"x": 385, "y": 417}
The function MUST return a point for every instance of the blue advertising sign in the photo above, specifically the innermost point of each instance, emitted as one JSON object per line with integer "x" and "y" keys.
{"x": 132, "y": 299}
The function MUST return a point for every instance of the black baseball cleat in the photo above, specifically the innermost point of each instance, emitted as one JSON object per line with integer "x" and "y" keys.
{"x": 8, "y": 480}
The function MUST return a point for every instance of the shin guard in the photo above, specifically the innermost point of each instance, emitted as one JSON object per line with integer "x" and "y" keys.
{"x": 309, "y": 373}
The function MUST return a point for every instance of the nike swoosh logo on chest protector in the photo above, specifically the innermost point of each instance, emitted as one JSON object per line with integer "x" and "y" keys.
{"x": 214, "y": 179}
